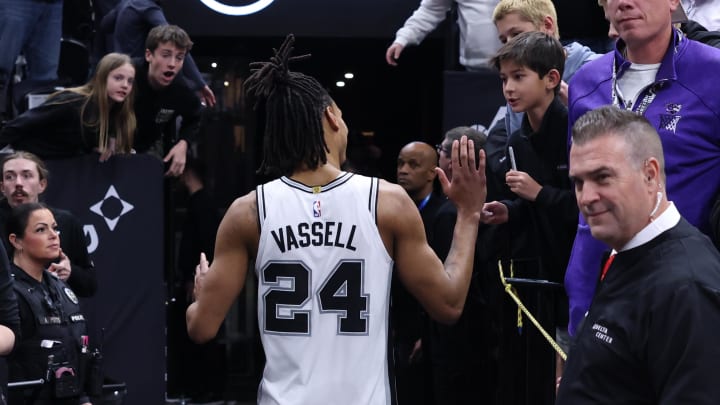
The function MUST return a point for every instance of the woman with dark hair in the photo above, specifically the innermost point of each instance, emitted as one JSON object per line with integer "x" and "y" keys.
{"x": 52, "y": 328}
{"x": 97, "y": 116}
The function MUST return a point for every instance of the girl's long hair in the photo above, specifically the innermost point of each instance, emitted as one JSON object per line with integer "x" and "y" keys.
{"x": 99, "y": 114}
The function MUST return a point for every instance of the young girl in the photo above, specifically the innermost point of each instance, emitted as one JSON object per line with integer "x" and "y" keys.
{"x": 97, "y": 116}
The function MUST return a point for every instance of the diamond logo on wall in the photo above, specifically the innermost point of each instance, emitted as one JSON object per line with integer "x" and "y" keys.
{"x": 111, "y": 208}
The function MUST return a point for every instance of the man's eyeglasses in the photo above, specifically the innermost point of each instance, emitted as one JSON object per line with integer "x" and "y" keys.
{"x": 440, "y": 148}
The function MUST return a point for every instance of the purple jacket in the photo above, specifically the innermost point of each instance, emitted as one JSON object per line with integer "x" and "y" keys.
{"x": 686, "y": 113}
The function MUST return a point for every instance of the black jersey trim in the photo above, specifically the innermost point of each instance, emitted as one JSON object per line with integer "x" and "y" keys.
{"x": 373, "y": 203}
{"x": 370, "y": 195}
{"x": 340, "y": 180}
{"x": 260, "y": 199}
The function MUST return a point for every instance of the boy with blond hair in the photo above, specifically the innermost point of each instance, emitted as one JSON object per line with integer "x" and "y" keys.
{"x": 540, "y": 13}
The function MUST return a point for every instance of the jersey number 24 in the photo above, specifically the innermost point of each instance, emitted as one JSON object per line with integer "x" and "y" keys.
{"x": 341, "y": 294}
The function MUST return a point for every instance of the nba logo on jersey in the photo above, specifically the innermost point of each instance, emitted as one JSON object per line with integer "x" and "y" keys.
{"x": 316, "y": 208}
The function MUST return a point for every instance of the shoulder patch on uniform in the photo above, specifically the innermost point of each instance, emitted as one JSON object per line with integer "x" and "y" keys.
{"x": 70, "y": 294}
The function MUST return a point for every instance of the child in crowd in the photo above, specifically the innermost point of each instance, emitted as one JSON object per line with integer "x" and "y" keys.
{"x": 513, "y": 17}
{"x": 541, "y": 215}
{"x": 97, "y": 116}
{"x": 162, "y": 98}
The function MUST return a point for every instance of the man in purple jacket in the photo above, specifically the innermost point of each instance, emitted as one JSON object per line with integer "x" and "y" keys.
{"x": 671, "y": 80}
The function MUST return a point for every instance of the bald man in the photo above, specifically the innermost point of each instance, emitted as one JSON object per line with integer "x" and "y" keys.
{"x": 416, "y": 174}
{"x": 416, "y": 171}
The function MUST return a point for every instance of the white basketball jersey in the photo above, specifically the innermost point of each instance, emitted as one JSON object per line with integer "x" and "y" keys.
{"x": 323, "y": 292}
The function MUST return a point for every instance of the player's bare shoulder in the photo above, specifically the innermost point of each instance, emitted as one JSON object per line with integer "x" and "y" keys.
{"x": 240, "y": 223}
{"x": 243, "y": 208}
{"x": 391, "y": 198}
{"x": 395, "y": 208}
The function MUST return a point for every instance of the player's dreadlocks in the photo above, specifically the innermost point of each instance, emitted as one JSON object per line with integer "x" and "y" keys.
{"x": 294, "y": 105}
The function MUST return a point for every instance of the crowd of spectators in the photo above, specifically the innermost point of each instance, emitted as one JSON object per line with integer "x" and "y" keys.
{"x": 532, "y": 212}
{"x": 554, "y": 213}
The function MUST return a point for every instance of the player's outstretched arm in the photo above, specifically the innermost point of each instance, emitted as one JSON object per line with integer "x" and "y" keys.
{"x": 217, "y": 287}
{"x": 441, "y": 289}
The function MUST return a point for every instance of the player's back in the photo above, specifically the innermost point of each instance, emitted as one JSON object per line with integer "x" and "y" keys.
{"x": 323, "y": 290}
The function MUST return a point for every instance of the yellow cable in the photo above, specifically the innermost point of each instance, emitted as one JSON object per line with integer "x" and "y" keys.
{"x": 519, "y": 312}
{"x": 521, "y": 307}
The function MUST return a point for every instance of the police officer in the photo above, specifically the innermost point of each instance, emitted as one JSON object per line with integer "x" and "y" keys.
{"x": 52, "y": 326}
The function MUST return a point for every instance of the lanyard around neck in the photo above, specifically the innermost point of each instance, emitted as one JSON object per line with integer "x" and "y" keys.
{"x": 424, "y": 202}
{"x": 650, "y": 94}
{"x": 650, "y": 90}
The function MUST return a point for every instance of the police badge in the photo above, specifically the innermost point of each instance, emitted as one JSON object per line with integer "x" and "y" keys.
{"x": 70, "y": 294}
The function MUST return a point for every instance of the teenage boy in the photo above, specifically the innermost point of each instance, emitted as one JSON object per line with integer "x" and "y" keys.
{"x": 541, "y": 215}
{"x": 160, "y": 98}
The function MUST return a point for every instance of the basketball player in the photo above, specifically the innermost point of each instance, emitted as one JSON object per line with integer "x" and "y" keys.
{"x": 324, "y": 242}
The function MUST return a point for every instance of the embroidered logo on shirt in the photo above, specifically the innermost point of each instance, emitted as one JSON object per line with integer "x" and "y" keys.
{"x": 601, "y": 333}
{"x": 670, "y": 120}
{"x": 673, "y": 108}
{"x": 316, "y": 209}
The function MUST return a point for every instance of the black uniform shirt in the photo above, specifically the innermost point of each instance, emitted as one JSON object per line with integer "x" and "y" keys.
{"x": 651, "y": 334}
{"x": 56, "y": 319}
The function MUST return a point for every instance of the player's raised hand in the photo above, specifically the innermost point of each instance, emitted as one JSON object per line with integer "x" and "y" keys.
{"x": 468, "y": 188}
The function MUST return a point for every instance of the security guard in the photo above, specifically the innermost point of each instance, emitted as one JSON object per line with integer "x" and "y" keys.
{"x": 52, "y": 327}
